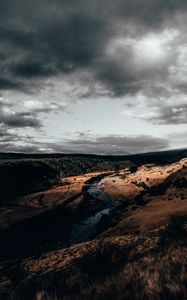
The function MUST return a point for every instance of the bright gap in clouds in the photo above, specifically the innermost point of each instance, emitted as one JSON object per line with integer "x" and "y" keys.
{"x": 150, "y": 50}
{"x": 155, "y": 48}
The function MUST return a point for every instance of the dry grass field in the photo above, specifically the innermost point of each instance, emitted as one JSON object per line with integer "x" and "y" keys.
{"x": 138, "y": 249}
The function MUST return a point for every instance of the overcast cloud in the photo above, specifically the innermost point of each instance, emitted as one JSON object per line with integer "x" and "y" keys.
{"x": 60, "y": 60}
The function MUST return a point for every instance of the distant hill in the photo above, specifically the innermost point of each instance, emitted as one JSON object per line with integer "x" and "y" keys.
{"x": 167, "y": 156}
{"x": 24, "y": 173}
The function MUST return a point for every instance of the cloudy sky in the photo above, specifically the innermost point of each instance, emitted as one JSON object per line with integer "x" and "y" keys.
{"x": 84, "y": 76}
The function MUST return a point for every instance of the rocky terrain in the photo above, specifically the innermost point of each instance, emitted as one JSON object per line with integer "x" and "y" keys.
{"x": 118, "y": 234}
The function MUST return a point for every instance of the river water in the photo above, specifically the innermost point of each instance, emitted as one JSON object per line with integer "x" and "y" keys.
{"x": 80, "y": 232}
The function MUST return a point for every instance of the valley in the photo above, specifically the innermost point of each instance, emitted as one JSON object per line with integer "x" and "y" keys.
{"x": 106, "y": 234}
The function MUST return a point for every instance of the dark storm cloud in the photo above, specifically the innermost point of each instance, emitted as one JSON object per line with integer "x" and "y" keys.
{"x": 105, "y": 145}
{"x": 12, "y": 141}
{"x": 20, "y": 37}
{"x": 28, "y": 115}
{"x": 28, "y": 69}
{"x": 12, "y": 147}
{"x": 174, "y": 115}
{"x": 19, "y": 119}
{"x": 59, "y": 37}
{"x": 8, "y": 84}
{"x": 114, "y": 144}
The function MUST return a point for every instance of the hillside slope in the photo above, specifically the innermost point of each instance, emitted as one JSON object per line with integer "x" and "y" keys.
{"x": 135, "y": 245}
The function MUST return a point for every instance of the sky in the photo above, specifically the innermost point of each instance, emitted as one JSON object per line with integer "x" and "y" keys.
{"x": 100, "y": 77}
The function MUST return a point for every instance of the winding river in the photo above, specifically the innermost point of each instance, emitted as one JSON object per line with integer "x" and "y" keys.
{"x": 81, "y": 232}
